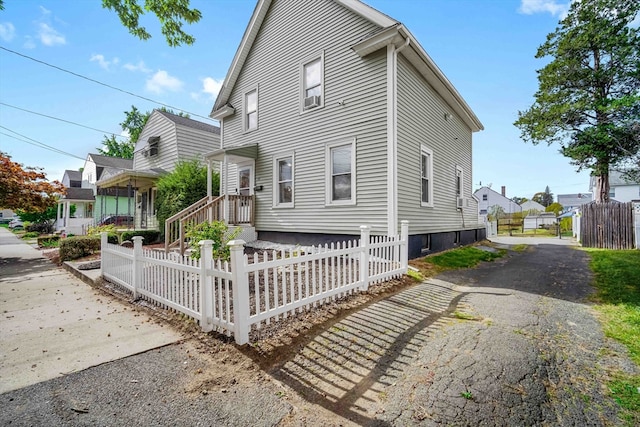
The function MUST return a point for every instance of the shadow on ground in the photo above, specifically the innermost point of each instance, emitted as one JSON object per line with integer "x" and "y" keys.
{"x": 347, "y": 365}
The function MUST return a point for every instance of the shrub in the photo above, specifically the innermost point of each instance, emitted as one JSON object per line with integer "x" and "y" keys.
{"x": 150, "y": 236}
{"x": 48, "y": 241}
{"x": 217, "y": 231}
{"x": 78, "y": 247}
{"x": 44, "y": 227}
{"x": 30, "y": 235}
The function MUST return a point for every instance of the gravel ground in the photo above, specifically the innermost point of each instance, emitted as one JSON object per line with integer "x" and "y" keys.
{"x": 510, "y": 343}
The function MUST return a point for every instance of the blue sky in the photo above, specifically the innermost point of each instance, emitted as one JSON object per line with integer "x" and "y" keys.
{"x": 486, "y": 49}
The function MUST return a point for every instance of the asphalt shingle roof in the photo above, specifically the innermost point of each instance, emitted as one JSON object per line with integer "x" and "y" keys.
{"x": 112, "y": 162}
{"x": 195, "y": 124}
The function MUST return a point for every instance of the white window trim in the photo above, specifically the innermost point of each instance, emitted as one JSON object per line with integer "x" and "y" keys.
{"x": 425, "y": 150}
{"x": 460, "y": 171}
{"x": 245, "y": 124}
{"x": 305, "y": 61}
{"x": 276, "y": 186}
{"x": 329, "y": 187}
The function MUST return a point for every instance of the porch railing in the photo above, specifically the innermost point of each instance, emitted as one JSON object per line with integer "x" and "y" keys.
{"x": 241, "y": 211}
{"x": 172, "y": 224}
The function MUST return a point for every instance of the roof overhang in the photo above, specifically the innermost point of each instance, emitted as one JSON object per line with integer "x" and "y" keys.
{"x": 234, "y": 154}
{"x": 225, "y": 111}
{"x": 143, "y": 178}
{"x": 418, "y": 57}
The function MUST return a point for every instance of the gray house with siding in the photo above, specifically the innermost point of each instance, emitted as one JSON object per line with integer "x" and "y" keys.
{"x": 333, "y": 116}
{"x": 165, "y": 139}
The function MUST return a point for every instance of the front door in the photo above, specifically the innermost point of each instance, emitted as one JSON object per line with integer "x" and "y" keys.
{"x": 245, "y": 188}
{"x": 245, "y": 179}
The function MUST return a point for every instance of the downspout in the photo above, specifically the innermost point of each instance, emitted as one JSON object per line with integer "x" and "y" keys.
{"x": 392, "y": 136}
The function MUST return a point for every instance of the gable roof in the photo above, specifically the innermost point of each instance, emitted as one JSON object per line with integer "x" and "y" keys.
{"x": 73, "y": 175}
{"x": 111, "y": 162}
{"x": 190, "y": 123}
{"x": 532, "y": 205}
{"x": 397, "y": 33}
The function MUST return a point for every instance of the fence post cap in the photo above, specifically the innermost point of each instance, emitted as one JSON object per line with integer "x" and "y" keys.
{"x": 236, "y": 243}
{"x": 365, "y": 227}
{"x": 104, "y": 233}
{"x": 205, "y": 243}
{"x": 404, "y": 221}
{"x": 137, "y": 238}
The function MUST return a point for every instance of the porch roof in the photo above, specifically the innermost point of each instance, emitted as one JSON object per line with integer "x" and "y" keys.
{"x": 137, "y": 178}
{"x": 234, "y": 154}
{"x": 78, "y": 195}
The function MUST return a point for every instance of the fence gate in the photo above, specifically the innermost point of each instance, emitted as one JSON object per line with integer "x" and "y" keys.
{"x": 607, "y": 226}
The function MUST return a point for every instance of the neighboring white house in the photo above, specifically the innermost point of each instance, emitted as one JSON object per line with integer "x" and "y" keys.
{"x": 165, "y": 139}
{"x": 333, "y": 117}
{"x": 620, "y": 189}
{"x": 532, "y": 207}
{"x": 7, "y": 213}
{"x": 487, "y": 198}
{"x": 570, "y": 202}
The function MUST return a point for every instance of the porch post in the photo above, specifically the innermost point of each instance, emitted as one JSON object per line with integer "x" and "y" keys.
{"x": 67, "y": 214}
{"x": 209, "y": 176}
{"x": 225, "y": 212}
{"x": 58, "y": 214}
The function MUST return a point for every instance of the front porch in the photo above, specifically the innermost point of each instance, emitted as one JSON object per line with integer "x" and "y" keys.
{"x": 75, "y": 211}
{"x": 233, "y": 209}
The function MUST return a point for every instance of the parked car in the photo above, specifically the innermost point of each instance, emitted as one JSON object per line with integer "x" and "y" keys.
{"x": 117, "y": 220}
{"x": 16, "y": 223}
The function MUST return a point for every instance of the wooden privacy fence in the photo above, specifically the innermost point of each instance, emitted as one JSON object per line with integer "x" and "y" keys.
{"x": 249, "y": 291}
{"x": 607, "y": 225}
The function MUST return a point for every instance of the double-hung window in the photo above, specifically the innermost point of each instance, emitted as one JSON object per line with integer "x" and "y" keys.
{"x": 312, "y": 82}
{"x": 341, "y": 173}
{"x": 426, "y": 176}
{"x": 251, "y": 110}
{"x": 283, "y": 181}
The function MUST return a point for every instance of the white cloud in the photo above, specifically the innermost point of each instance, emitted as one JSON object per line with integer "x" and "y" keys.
{"x": 49, "y": 36}
{"x": 104, "y": 63}
{"x": 162, "y": 81}
{"x": 529, "y": 7}
{"x": 211, "y": 86}
{"x": 7, "y": 31}
{"x": 140, "y": 66}
{"x": 45, "y": 11}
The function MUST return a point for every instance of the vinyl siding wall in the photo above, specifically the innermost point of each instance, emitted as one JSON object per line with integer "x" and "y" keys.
{"x": 421, "y": 121}
{"x": 294, "y": 31}
{"x": 195, "y": 142}
{"x": 157, "y": 125}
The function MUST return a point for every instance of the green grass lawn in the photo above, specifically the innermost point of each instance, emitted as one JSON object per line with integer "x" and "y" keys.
{"x": 463, "y": 257}
{"x": 617, "y": 280}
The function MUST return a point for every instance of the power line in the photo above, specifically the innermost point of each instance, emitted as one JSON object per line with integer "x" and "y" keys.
{"x": 103, "y": 84}
{"x": 62, "y": 120}
{"x": 38, "y": 143}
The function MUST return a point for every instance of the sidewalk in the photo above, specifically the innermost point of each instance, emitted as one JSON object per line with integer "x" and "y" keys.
{"x": 53, "y": 324}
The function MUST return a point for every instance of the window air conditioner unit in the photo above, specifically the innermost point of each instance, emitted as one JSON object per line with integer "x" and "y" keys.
{"x": 145, "y": 153}
{"x": 460, "y": 202}
{"x": 312, "y": 101}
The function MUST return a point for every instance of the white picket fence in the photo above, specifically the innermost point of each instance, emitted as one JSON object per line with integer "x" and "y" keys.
{"x": 249, "y": 291}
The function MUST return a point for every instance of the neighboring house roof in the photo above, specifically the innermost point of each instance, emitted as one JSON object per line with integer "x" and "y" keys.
{"x": 80, "y": 194}
{"x": 134, "y": 176}
{"x": 573, "y": 200}
{"x": 531, "y": 205}
{"x": 195, "y": 124}
{"x": 73, "y": 175}
{"x": 179, "y": 121}
{"x": 111, "y": 162}
{"x": 615, "y": 180}
{"x": 391, "y": 31}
